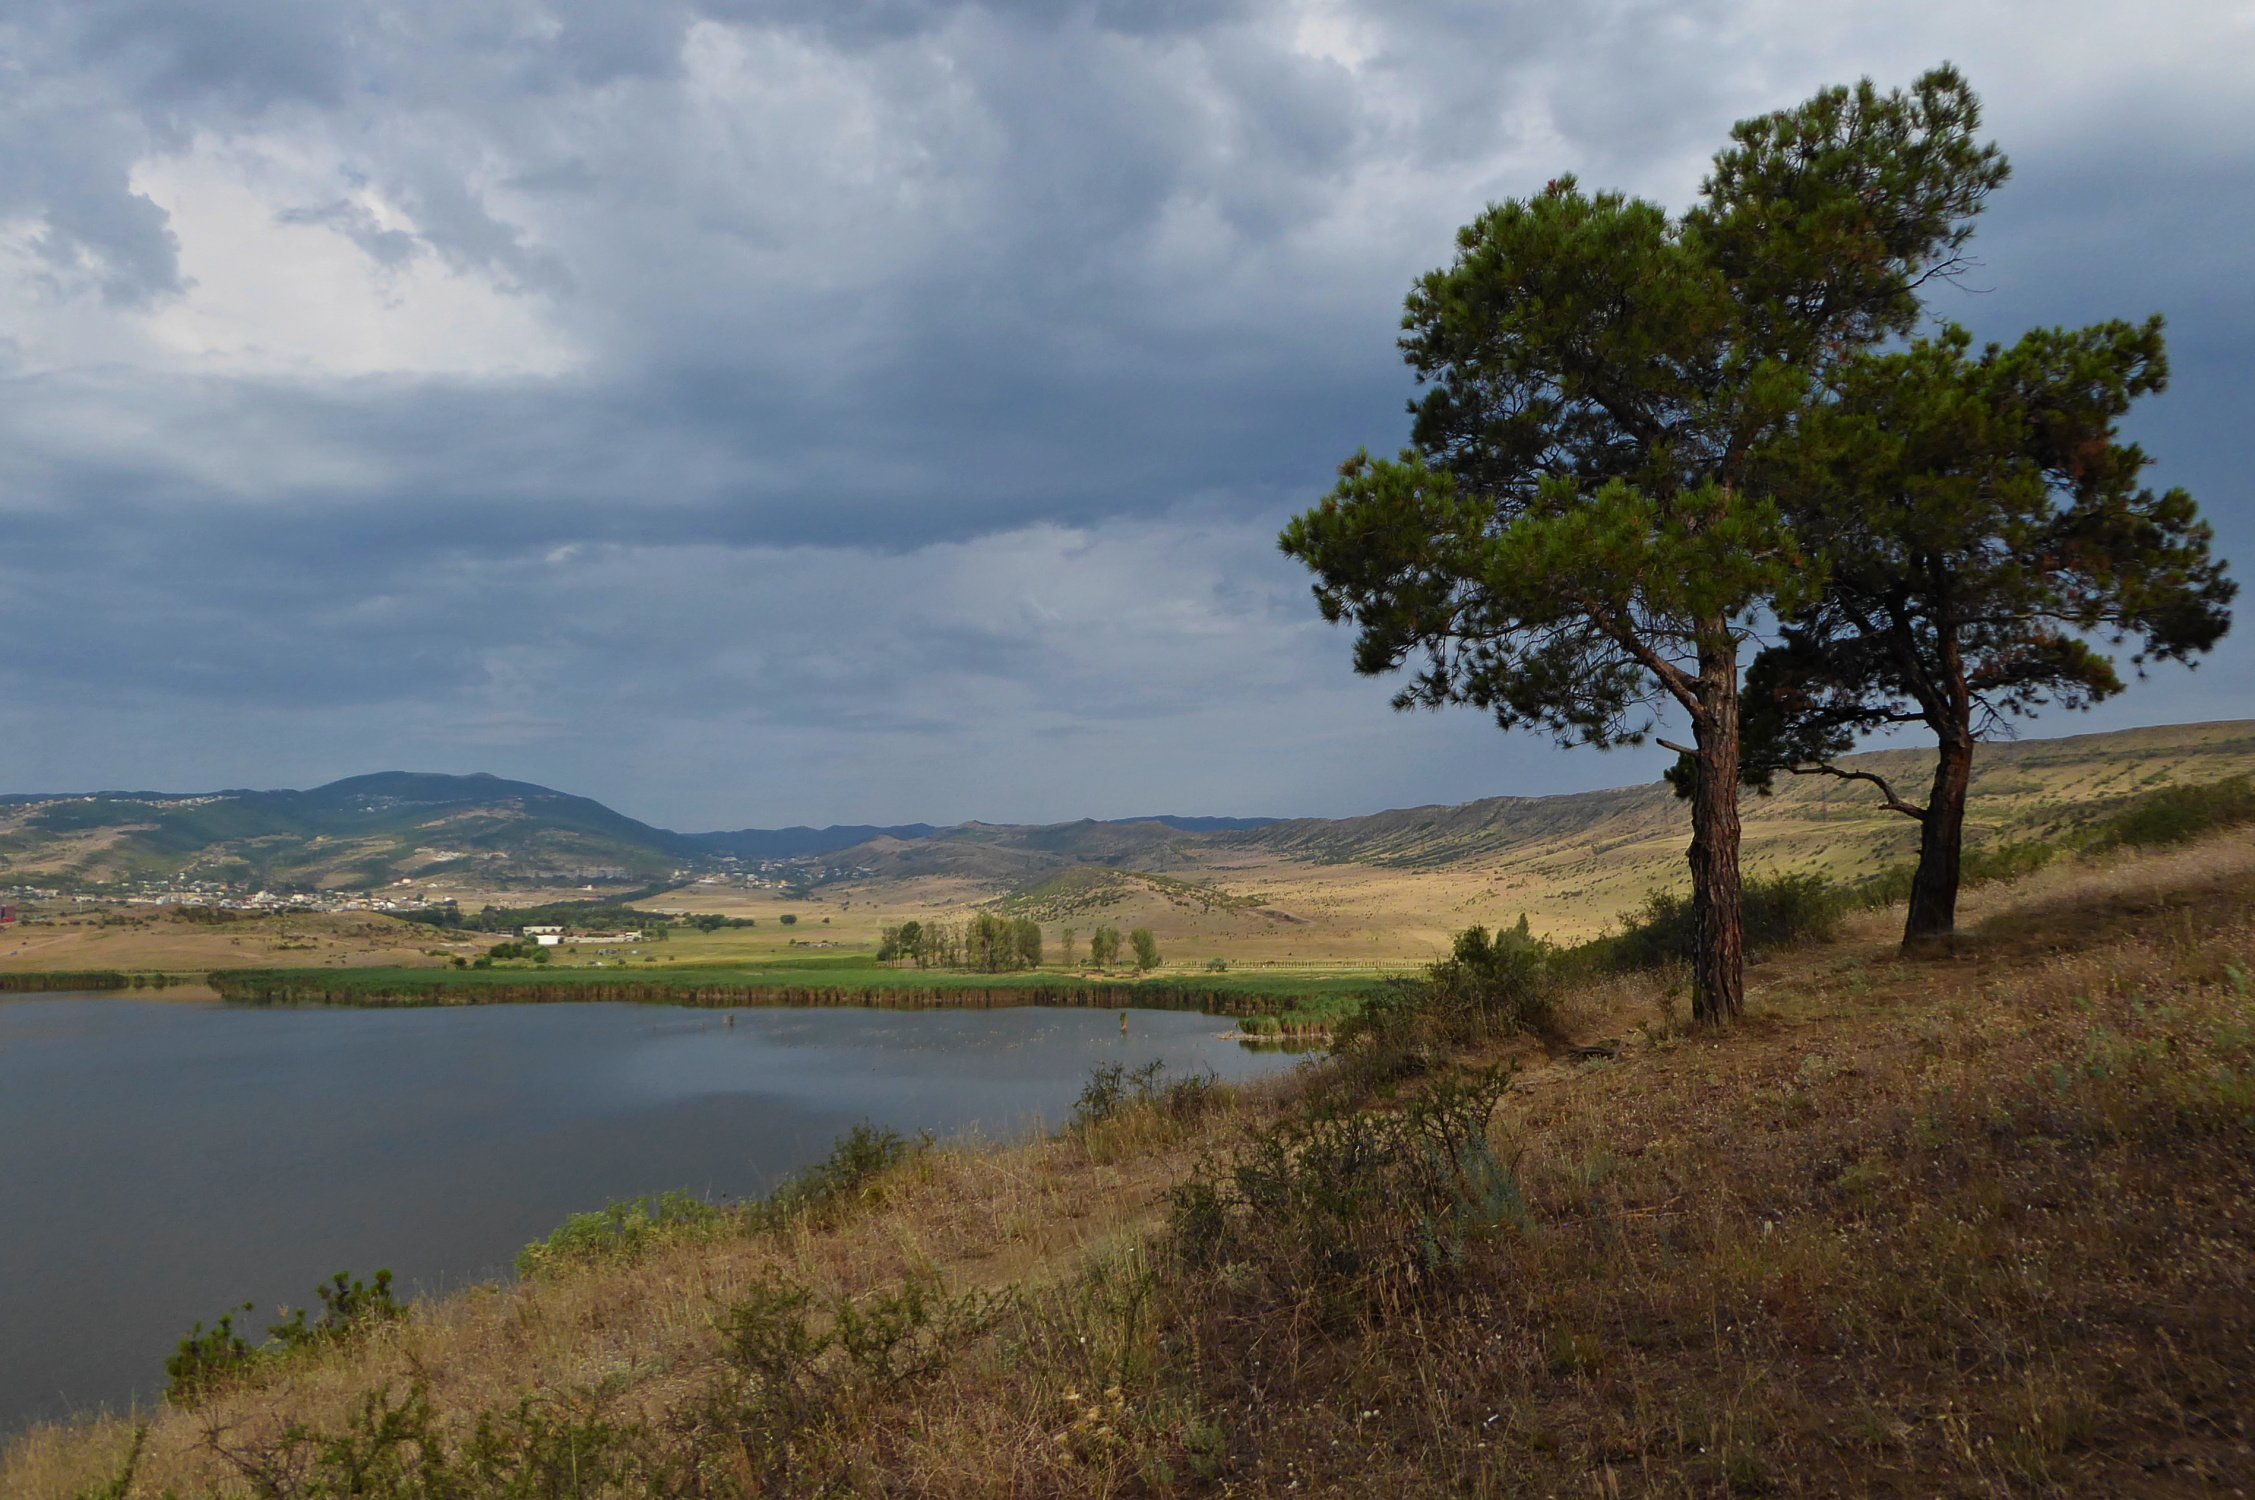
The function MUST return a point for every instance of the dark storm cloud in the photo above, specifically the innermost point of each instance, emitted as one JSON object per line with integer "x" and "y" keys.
{"x": 890, "y": 386}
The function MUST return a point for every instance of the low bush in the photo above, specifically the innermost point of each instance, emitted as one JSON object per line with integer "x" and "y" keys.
{"x": 348, "y": 1306}
{"x": 208, "y": 1359}
{"x": 2178, "y": 814}
{"x": 1113, "y": 1089}
{"x": 856, "y": 1161}
{"x": 627, "y": 1229}
{"x": 1985, "y": 864}
{"x": 1351, "y": 1211}
{"x": 796, "y": 1363}
{"x": 621, "y": 1229}
{"x": 1779, "y": 911}
{"x": 1488, "y": 986}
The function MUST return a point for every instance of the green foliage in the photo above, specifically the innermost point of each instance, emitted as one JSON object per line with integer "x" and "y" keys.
{"x": 2178, "y": 814}
{"x": 1114, "y": 1088}
{"x": 625, "y": 1230}
{"x": 398, "y": 1449}
{"x": 986, "y": 942}
{"x": 1985, "y": 864}
{"x": 1587, "y": 523}
{"x": 1352, "y": 1210}
{"x": 1780, "y": 911}
{"x": 788, "y": 919}
{"x": 619, "y": 1230}
{"x": 1104, "y": 947}
{"x": 1489, "y": 985}
{"x": 1146, "y": 949}
{"x": 795, "y": 1361}
{"x": 856, "y": 1160}
{"x": 208, "y": 1359}
{"x": 348, "y": 1306}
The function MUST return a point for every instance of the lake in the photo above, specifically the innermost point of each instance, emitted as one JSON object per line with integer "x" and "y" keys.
{"x": 162, "y": 1162}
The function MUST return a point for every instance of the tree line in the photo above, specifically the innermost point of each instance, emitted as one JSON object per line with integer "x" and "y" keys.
{"x": 988, "y": 943}
{"x": 1707, "y": 465}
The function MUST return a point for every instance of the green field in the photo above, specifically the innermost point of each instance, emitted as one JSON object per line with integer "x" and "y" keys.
{"x": 849, "y": 979}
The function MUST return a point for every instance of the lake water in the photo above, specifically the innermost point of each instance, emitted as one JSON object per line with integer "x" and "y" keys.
{"x": 161, "y": 1162}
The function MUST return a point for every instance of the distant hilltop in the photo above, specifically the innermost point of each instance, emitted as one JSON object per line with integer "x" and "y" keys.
{"x": 487, "y": 832}
{"x": 369, "y": 831}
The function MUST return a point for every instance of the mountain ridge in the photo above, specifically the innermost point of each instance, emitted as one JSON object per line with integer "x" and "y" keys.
{"x": 386, "y": 827}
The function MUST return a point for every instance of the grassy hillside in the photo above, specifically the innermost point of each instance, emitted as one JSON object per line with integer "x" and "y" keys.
{"x": 361, "y": 832}
{"x": 1967, "y": 1225}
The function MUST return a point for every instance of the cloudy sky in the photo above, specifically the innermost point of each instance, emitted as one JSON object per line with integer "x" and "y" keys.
{"x": 869, "y": 410}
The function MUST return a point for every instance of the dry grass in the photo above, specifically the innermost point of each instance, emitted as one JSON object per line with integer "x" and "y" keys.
{"x": 1972, "y": 1223}
{"x": 144, "y": 938}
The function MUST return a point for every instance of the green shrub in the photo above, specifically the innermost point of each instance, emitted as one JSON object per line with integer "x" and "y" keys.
{"x": 856, "y": 1160}
{"x": 1113, "y": 1089}
{"x": 348, "y": 1306}
{"x": 1355, "y": 1209}
{"x": 206, "y": 1360}
{"x": 1984, "y": 864}
{"x": 2178, "y": 814}
{"x": 210, "y": 1358}
{"x": 1779, "y": 911}
{"x": 1991, "y": 863}
{"x": 788, "y": 1378}
{"x": 621, "y": 1229}
{"x": 1488, "y": 986}
{"x": 628, "y": 1229}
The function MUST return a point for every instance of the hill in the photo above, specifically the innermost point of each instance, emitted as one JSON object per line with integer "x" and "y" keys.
{"x": 1963, "y": 1224}
{"x": 358, "y": 833}
{"x": 1391, "y": 887}
{"x": 1308, "y": 888}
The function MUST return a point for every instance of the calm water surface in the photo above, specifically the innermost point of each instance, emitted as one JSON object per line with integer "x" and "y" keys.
{"x": 161, "y": 1162}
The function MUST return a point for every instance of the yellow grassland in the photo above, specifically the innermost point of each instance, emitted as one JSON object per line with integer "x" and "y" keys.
{"x": 1573, "y": 865}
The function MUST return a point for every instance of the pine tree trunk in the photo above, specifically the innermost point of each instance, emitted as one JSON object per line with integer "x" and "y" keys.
{"x": 1941, "y": 845}
{"x": 1718, "y": 966}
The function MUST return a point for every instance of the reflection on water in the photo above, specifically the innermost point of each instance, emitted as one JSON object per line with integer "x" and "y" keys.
{"x": 161, "y": 1162}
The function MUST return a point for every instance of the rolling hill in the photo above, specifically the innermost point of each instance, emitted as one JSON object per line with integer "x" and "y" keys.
{"x": 1573, "y": 860}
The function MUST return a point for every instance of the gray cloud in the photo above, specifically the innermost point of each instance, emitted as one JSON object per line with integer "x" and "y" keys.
{"x": 785, "y": 411}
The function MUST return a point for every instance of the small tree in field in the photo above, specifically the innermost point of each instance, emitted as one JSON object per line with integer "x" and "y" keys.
{"x": 1146, "y": 949}
{"x": 1587, "y": 527}
{"x": 1982, "y": 521}
{"x": 1104, "y": 947}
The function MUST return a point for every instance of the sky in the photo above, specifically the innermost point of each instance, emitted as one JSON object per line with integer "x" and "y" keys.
{"x": 871, "y": 411}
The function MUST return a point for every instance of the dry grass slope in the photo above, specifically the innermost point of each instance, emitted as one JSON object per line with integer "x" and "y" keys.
{"x": 1967, "y": 1225}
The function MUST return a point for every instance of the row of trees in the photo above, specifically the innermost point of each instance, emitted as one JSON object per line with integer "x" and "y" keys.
{"x": 984, "y": 942}
{"x": 1651, "y": 447}
{"x": 1104, "y": 948}
{"x": 992, "y": 944}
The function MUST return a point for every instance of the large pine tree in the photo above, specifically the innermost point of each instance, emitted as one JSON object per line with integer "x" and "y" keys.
{"x": 1586, "y": 526}
{"x": 1988, "y": 543}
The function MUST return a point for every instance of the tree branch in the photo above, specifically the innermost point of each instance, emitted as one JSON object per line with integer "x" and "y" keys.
{"x": 1891, "y": 802}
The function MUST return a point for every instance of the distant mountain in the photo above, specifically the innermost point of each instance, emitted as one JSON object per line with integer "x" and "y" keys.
{"x": 800, "y": 842}
{"x": 360, "y": 832}
{"x": 367, "y": 831}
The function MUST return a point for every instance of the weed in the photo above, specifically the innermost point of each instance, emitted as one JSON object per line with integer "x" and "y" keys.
{"x": 1114, "y": 1088}
{"x": 206, "y": 1360}
{"x": 1356, "y": 1209}
{"x": 617, "y": 1231}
